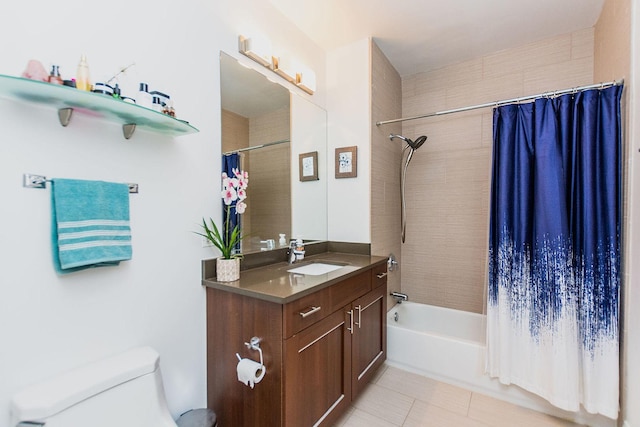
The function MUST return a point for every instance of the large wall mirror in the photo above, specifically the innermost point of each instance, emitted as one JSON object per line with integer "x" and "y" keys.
{"x": 268, "y": 128}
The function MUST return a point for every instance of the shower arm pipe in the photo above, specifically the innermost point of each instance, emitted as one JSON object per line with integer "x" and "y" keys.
{"x": 255, "y": 147}
{"x": 506, "y": 101}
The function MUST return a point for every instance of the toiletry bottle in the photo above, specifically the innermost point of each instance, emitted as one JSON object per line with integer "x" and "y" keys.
{"x": 283, "y": 240}
{"x": 156, "y": 104}
{"x": 82, "y": 76}
{"x": 117, "y": 92}
{"x": 54, "y": 77}
{"x": 144, "y": 98}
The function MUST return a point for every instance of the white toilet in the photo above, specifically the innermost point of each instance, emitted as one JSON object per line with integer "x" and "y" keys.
{"x": 124, "y": 390}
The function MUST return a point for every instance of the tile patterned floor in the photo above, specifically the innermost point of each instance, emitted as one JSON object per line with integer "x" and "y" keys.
{"x": 397, "y": 398}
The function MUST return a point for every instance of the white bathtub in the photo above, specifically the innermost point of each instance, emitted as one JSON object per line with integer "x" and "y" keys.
{"x": 449, "y": 345}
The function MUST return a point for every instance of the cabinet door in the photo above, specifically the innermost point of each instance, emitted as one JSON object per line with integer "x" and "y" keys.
{"x": 318, "y": 372}
{"x": 369, "y": 345}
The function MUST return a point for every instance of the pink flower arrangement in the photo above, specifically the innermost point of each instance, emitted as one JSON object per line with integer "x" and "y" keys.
{"x": 234, "y": 189}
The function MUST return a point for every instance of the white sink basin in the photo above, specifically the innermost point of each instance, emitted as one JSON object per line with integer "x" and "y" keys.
{"x": 315, "y": 269}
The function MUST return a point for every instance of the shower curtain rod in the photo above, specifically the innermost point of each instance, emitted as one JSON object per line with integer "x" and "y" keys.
{"x": 255, "y": 147}
{"x": 506, "y": 101}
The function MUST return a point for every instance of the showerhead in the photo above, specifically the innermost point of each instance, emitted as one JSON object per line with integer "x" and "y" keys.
{"x": 413, "y": 144}
{"x": 406, "y": 158}
{"x": 418, "y": 142}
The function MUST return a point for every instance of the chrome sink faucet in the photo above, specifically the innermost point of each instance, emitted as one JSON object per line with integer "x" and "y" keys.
{"x": 295, "y": 252}
{"x": 271, "y": 244}
{"x": 291, "y": 254}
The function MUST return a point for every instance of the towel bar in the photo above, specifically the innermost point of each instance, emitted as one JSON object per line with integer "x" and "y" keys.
{"x": 30, "y": 180}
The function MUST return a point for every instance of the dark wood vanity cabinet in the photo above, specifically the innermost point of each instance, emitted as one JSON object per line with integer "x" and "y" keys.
{"x": 320, "y": 352}
{"x": 369, "y": 339}
{"x": 318, "y": 372}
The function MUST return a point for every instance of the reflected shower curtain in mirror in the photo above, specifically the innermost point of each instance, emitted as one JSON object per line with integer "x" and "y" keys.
{"x": 230, "y": 162}
{"x": 554, "y": 249}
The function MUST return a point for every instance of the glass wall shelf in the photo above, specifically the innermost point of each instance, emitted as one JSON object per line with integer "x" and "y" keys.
{"x": 67, "y": 100}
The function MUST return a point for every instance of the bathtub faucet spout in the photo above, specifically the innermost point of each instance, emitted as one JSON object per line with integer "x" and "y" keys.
{"x": 399, "y": 297}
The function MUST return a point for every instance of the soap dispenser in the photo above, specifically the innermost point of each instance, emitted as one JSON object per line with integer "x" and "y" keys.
{"x": 283, "y": 240}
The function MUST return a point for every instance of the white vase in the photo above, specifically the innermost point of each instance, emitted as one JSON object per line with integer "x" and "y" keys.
{"x": 227, "y": 270}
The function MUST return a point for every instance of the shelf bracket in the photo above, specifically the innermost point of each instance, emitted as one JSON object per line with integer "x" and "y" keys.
{"x": 128, "y": 130}
{"x": 64, "y": 115}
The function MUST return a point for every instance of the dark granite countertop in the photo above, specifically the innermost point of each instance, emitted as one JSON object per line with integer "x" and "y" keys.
{"x": 274, "y": 283}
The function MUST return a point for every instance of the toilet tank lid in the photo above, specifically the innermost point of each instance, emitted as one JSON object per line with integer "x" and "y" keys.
{"x": 47, "y": 398}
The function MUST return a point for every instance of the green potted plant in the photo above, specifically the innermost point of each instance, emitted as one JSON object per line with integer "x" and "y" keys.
{"x": 234, "y": 192}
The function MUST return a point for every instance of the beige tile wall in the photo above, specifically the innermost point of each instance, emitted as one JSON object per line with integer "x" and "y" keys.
{"x": 270, "y": 186}
{"x": 385, "y": 163}
{"x": 444, "y": 257}
{"x": 269, "y": 192}
{"x": 612, "y": 45}
{"x": 235, "y": 131}
{"x": 270, "y": 180}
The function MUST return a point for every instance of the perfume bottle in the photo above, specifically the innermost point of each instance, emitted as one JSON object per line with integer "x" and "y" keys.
{"x": 82, "y": 76}
{"x": 54, "y": 76}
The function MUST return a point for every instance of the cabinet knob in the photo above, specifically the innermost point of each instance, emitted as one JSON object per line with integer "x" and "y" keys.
{"x": 312, "y": 310}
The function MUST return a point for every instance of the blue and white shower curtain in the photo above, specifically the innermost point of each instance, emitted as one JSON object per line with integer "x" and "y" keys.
{"x": 554, "y": 249}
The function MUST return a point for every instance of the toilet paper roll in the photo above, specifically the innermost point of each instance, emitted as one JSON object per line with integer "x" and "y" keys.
{"x": 250, "y": 372}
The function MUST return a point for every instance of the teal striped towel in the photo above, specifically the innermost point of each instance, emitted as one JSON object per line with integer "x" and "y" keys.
{"x": 90, "y": 224}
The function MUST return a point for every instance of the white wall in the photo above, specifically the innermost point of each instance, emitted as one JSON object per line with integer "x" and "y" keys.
{"x": 349, "y": 106}
{"x": 308, "y": 198}
{"x": 51, "y": 323}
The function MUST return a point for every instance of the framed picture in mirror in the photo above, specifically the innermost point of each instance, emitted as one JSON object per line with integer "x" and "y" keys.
{"x": 347, "y": 162}
{"x": 309, "y": 166}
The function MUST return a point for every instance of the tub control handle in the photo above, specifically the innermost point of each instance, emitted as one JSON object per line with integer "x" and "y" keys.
{"x": 381, "y": 275}
{"x": 313, "y": 309}
{"x": 350, "y": 329}
{"x": 359, "y": 308}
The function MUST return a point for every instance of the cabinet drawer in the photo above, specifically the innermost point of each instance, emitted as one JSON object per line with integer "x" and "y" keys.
{"x": 379, "y": 275}
{"x": 350, "y": 289}
{"x": 306, "y": 311}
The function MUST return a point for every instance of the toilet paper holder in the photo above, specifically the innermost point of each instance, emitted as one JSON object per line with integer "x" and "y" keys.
{"x": 253, "y": 344}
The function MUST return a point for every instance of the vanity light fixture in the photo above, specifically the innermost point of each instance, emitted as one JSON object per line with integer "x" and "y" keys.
{"x": 306, "y": 81}
{"x": 280, "y": 67}
{"x": 258, "y": 49}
